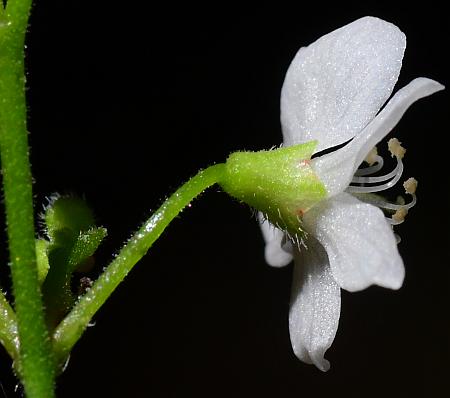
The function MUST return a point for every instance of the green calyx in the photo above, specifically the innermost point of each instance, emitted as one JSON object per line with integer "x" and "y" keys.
{"x": 280, "y": 183}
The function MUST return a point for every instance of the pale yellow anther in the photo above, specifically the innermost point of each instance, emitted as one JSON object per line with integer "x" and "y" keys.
{"x": 371, "y": 157}
{"x": 410, "y": 185}
{"x": 400, "y": 214}
{"x": 395, "y": 148}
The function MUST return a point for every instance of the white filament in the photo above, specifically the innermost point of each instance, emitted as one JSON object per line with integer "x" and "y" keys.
{"x": 379, "y": 162}
{"x": 394, "y": 174}
{"x": 358, "y": 179}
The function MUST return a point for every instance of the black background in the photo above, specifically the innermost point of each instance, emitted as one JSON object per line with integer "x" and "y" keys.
{"x": 127, "y": 101}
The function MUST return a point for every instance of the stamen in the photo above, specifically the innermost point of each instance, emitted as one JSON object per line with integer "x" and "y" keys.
{"x": 394, "y": 174}
{"x": 377, "y": 166}
{"x": 395, "y": 148}
{"x": 372, "y": 156}
{"x": 366, "y": 193}
{"x": 371, "y": 180}
{"x": 410, "y": 185}
{"x": 394, "y": 222}
{"x": 363, "y": 177}
{"x": 382, "y": 203}
{"x": 399, "y": 216}
{"x": 392, "y": 206}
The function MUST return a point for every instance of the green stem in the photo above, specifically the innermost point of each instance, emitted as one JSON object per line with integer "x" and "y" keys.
{"x": 8, "y": 329}
{"x": 72, "y": 327}
{"x": 37, "y": 366}
{"x": 17, "y": 12}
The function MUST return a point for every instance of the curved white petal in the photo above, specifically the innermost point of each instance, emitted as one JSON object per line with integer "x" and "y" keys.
{"x": 315, "y": 305}
{"x": 278, "y": 251}
{"x": 359, "y": 242}
{"x": 391, "y": 114}
{"x": 335, "y": 86}
{"x": 337, "y": 168}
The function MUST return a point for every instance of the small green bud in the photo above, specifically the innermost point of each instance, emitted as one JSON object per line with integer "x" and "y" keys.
{"x": 73, "y": 240}
{"x": 69, "y": 214}
{"x": 280, "y": 183}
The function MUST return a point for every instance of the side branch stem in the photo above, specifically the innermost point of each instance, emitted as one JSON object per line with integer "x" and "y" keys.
{"x": 72, "y": 327}
{"x": 8, "y": 329}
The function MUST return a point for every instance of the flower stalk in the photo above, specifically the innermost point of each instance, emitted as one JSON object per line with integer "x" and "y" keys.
{"x": 72, "y": 327}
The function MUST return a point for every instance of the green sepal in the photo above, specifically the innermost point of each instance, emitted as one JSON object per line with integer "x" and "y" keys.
{"x": 85, "y": 246}
{"x": 280, "y": 183}
{"x": 42, "y": 259}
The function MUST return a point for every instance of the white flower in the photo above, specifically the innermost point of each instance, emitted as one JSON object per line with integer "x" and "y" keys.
{"x": 333, "y": 93}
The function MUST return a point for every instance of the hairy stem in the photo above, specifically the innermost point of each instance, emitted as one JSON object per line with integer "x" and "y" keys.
{"x": 36, "y": 360}
{"x": 72, "y": 327}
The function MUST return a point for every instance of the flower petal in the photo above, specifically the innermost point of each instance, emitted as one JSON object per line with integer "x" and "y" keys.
{"x": 315, "y": 305}
{"x": 335, "y": 86}
{"x": 359, "y": 242}
{"x": 337, "y": 168}
{"x": 278, "y": 251}
{"x": 391, "y": 114}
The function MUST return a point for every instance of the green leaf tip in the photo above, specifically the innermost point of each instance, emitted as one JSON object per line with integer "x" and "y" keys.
{"x": 279, "y": 183}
